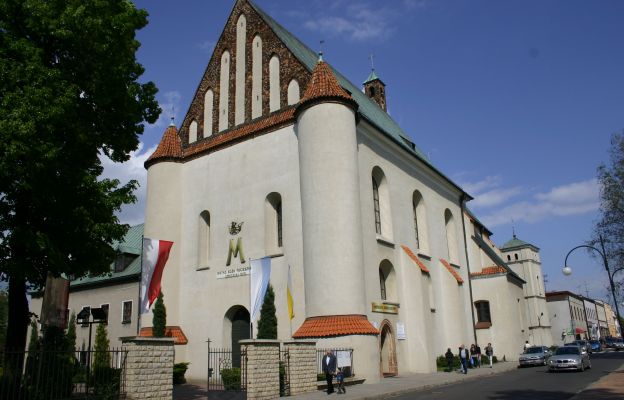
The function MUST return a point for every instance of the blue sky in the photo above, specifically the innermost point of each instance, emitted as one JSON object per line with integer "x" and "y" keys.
{"x": 514, "y": 100}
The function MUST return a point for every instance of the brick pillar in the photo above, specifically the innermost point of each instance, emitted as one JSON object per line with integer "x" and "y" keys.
{"x": 302, "y": 366}
{"x": 149, "y": 367}
{"x": 262, "y": 368}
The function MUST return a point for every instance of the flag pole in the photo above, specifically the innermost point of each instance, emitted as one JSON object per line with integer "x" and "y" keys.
{"x": 140, "y": 283}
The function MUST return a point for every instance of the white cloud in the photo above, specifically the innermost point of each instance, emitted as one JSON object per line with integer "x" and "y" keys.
{"x": 495, "y": 197}
{"x": 207, "y": 46}
{"x": 362, "y": 21}
{"x": 571, "y": 199}
{"x": 132, "y": 169}
{"x": 170, "y": 106}
{"x": 474, "y": 188}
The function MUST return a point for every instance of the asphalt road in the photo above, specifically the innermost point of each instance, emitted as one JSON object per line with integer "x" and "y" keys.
{"x": 531, "y": 383}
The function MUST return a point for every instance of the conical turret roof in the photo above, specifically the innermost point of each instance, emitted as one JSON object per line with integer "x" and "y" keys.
{"x": 324, "y": 86}
{"x": 169, "y": 148}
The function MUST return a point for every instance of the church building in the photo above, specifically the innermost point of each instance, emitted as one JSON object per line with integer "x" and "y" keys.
{"x": 281, "y": 156}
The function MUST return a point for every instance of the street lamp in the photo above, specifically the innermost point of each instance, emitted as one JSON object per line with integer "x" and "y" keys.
{"x": 99, "y": 317}
{"x": 567, "y": 271}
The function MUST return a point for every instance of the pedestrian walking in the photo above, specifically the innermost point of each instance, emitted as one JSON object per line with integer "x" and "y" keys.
{"x": 473, "y": 356}
{"x": 489, "y": 352}
{"x": 478, "y": 349}
{"x": 449, "y": 360}
{"x": 464, "y": 355}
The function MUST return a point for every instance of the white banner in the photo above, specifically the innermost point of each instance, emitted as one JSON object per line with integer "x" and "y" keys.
{"x": 260, "y": 274}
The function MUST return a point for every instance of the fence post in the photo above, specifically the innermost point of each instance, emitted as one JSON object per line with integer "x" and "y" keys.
{"x": 263, "y": 356}
{"x": 149, "y": 367}
{"x": 302, "y": 366}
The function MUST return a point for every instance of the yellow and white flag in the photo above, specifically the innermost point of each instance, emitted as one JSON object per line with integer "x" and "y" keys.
{"x": 289, "y": 297}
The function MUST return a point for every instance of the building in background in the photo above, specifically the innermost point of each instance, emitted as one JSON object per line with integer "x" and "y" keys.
{"x": 612, "y": 322}
{"x": 591, "y": 317}
{"x": 567, "y": 317}
{"x": 117, "y": 293}
{"x": 601, "y": 314}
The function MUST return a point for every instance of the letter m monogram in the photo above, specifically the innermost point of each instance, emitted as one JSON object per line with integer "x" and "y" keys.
{"x": 235, "y": 251}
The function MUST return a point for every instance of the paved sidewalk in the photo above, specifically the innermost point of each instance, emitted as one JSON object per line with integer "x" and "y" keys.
{"x": 389, "y": 387}
{"x": 609, "y": 387}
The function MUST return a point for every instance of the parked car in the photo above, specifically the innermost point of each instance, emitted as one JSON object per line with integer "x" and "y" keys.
{"x": 618, "y": 344}
{"x": 535, "y": 355}
{"x": 569, "y": 357}
{"x": 595, "y": 345}
{"x": 583, "y": 344}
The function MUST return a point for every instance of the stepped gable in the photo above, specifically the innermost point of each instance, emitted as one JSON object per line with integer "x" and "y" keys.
{"x": 169, "y": 148}
{"x": 324, "y": 86}
{"x": 290, "y": 68}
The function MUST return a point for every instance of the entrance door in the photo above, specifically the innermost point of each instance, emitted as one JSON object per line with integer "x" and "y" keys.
{"x": 387, "y": 349}
{"x": 240, "y": 331}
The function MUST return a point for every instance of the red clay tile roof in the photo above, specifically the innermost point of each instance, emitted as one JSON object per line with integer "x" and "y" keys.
{"x": 452, "y": 270}
{"x": 415, "y": 258}
{"x": 170, "y": 331}
{"x": 169, "y": 148}
{"x": 240, "y": 133}
{"x": 490, "y": 271}
{"x": 257, "y": 127}
{"x": 335, "y": 325}
{"x": 324, "y": 85}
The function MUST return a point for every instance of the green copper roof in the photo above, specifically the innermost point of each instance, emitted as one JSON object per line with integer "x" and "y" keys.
{"x": 515, "y": 242}
{"x": 373, "y": 76}
{"x": 495, "y": 257}
{"x": 367, "y": 107}
{"x": 131, "y": 244}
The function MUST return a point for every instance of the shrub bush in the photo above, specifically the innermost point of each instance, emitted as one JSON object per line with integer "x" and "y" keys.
{"x": 179, "y": 370}
{"x": 231, "y": 378}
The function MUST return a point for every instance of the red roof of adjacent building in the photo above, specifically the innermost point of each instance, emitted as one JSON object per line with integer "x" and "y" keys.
{"x": 174, "y": 332}
{"x": 169, "y": 148}
{"x": 415, "y": 258}
{"x": 452, "y": 270}
{"x": 490, "y": 271}
{"x": 335, "y": 325}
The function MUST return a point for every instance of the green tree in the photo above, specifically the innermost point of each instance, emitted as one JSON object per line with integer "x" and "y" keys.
{"x": 71, "y": 333}
{"x": 69, "y": 95}
{"x": 159, "y": 319}
{"x": 101, "y": 358}
{"x": 267, "y": 324}
{"x": 4, "y": 314}
{"x": 610, "y": 226}
{"x": 33, "y": 344}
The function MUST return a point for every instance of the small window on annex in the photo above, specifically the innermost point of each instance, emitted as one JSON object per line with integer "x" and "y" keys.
{"x": 126, "y": 312}
{"x": 387, "y": 281}
{"x": 483, "y": 311}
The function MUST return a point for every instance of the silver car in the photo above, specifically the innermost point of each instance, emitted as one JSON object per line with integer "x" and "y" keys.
{"x": 569, "y": 357}
{"x": 535, "y": 355}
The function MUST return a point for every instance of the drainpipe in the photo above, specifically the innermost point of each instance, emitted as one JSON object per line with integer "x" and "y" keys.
{"x": 462, "y": 202}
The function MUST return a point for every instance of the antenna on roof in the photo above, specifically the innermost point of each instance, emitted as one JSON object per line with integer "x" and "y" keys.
{"x": 172, "y": 123}
{"x": 372, "y": 60}
{"x": 513, "y": 228}
{"x": 321, "y": 50}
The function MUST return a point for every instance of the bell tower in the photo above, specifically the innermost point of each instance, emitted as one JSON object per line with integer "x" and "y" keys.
{"x": 375, "y": 88}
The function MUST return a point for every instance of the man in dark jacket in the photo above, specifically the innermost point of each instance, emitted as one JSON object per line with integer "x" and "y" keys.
{"x": 329, "y": 368}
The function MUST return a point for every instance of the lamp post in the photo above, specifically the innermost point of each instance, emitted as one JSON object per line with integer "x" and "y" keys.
{"x": 567, "y": 271}
{"x": 99, "y": 317}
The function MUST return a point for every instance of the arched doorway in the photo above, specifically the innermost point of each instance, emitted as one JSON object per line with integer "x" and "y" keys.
{"x": 237, "y": 317}
{"x": 387, "y": 351}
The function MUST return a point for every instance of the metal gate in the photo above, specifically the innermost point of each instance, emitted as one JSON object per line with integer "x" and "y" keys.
{"x": 227, "y": 374}
{"x": 284, "y": 373}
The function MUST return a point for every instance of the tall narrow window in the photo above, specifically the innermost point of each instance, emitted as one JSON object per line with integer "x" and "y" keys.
{"x": 274, "y": 84}
{"x": 293, "y": 92}
{"x": 224, "y": 91}
{"x": 382, "y": 284}
{"x": 273, "y": 223}
{"x": 483, "y": 311}
{"x": 193, "y": 132}
{"x": 203, "y": 242}
{"x": 451, "y": 236}
{"x": 208, "y": 106}
{"x": 126, "y": 312}
{"x": 376, "y": 206}
{"x": 256, "y": 78}
{"x": 415, "y": 211}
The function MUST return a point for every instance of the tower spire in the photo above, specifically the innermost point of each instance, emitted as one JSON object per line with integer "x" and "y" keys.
{"x": 320, "y": 53}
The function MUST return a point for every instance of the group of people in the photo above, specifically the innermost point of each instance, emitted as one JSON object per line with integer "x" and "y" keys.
{"x": 329, "y": 368}
{"x": 466, "y": 356}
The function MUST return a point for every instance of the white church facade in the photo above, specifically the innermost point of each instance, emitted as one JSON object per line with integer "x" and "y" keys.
{"x": 279, "y": 155}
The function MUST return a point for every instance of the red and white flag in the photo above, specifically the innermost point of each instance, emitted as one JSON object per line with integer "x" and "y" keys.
{"x": 155, "y": 255}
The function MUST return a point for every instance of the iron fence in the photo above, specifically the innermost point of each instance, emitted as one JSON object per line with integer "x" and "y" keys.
{"x": 61, "y": 375}
{"x": 284, "y": 373}
{"x": 344, "y": 358}
{"x": 227, "y": 371}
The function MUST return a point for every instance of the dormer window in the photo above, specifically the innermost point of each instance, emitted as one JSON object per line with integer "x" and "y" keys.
{"x": 123, "y": 260}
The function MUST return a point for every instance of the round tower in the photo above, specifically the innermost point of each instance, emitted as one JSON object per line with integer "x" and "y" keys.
{"x": 330, "y": 198}
{"x": 162, "y": 212}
